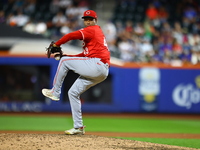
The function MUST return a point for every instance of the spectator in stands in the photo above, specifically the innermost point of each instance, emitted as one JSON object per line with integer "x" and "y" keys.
{"x": 176, "y": 48}
{"x": 11, "y": 20}
{"x": 119, "y": 28}
{"x": 129, "y": 26}
{"x": 65, "y": 3}
{"x": 166, "y": 27}
{"x": 190, "y": 13}
{"x": 194, "y": 38}
{"x": 2, "y": 17}
{"x": 163, "y": 14}
{"x": 58, "y": 21}
{"x": 139, "y": 29}
{"x": 29, "y": 7}
{"x": 18, "y": 5}
{"x": 125, "y": 49}
{"x": 151, "y": 12}
{"x": 156, "y": 3}
{"x": 128, "y": 29}
{"x": 177, "y": 32}
{"x": 146, "y": 50}
{"x": 186, "y": 46}
{"x": 55, "y": 6}
{"x": 29, "y": 27}
{"x": 65, "y": 29}
{"x": 40, "y": 28}
{"x": 195, "y": 58}
{"x": 82, "y": 7}
{"x": 83, "y": 4}
{"x": 110, "y": 33}
{"x": 166, "y": 58}
{"x": 21, "y": 19}
{"x": 186, "y": 24}
{"x": 72, "y": 12}
{"x": 186, "y": 55}
{"x": 149, "y": 30}
{"x": 156, "y": 57}
{"x": 165, "y": 47}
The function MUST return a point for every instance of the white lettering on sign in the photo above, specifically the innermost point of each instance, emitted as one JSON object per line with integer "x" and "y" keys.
{"x": 186, "y": 95}
{"x": 30, "y": 107}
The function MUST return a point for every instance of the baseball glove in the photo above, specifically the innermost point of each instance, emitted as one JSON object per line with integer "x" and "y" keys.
{"x": 54, "y": 49}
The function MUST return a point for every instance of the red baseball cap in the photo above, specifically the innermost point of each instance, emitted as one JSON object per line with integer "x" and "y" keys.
{"x": 90, "y": 14}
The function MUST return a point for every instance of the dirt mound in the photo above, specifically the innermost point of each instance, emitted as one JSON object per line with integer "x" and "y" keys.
{"x": 20, "y": 141}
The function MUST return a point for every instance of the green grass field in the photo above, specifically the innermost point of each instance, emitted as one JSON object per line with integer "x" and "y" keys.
{"x": 105, "y": 124}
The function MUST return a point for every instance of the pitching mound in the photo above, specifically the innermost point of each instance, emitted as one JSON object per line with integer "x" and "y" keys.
{"x": 20, "y": 141}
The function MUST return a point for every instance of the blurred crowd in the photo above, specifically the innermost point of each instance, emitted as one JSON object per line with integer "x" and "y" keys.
{"x": 51, "y": 18}
{"x": 155, "y": 38}
{"x": 167, "y": 33}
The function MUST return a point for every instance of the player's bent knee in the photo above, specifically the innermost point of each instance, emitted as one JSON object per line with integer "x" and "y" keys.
{"x": 73, "y": 93}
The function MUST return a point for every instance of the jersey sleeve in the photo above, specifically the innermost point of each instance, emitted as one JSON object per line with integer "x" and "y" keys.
{"x": 87, "y": 33}
{"x": 76, "y": 35}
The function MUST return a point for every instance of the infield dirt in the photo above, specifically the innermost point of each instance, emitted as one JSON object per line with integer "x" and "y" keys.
{"x": 45, "y": 140}
{"x": 28, "y": 141}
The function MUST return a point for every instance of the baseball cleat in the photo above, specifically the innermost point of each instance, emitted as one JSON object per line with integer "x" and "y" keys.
{"x": 48, "y": 93}
{"x": 76, "y": 131}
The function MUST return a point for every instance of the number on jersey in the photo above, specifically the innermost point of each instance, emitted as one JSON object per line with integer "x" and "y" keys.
{"x": 105, "y": 43}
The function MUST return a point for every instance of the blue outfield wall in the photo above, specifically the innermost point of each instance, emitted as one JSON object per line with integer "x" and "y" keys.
{"x": 180, "y": 91}
{"x": 148, "y": 89}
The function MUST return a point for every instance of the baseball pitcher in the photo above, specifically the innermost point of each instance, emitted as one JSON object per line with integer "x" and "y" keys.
{"x": 92, "y": 65}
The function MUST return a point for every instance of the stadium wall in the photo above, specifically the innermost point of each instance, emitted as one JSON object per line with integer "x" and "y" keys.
{"x": 129, "y": 89}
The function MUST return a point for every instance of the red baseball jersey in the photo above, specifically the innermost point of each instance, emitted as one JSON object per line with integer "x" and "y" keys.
{"x": 94, "y": 43}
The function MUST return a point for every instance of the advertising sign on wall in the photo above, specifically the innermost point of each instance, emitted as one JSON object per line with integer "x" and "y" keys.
{"x": 180, "y": 91}
{"x": 149, "y": 88}
{"x": 139, "y": 89}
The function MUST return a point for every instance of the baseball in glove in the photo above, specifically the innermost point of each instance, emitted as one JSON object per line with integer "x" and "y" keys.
{"x": 54, "y": 49}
